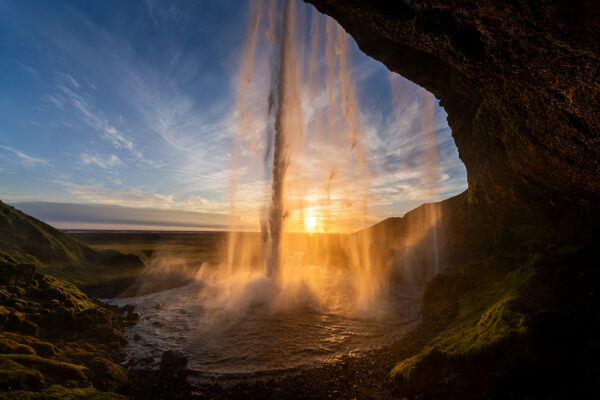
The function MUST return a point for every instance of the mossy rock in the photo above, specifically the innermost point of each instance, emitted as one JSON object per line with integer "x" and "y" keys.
{"x": 484, "y": 323}
{"x": 50, "y": 331}
{"x": 42, "y": 348}
{"x": 14, "y": 376}
{"x": 53, "y": 370}
{"x": 18, "y": 322}
{"x": 107, "y": 375}
{"x": 496, "y": 318}
{"x": 8, "y": 346}
{"x": 58, "y": 392}
{"x": 11, "y": 274}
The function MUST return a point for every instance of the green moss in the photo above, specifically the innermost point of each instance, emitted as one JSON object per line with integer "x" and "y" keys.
{"x": 8, "y": 346}
{"x": 53, "y": 370}
{"x": 41, "y": 348}
{"x": 31, "y": 244}
{"x": 485, "y": 315}
{"x": 14, "y": 376}
{"x": 57, "y": 392}
{"x": 107, "y": 375}
{"x": 480, "y": 302}
{"x": 51, "y": 333}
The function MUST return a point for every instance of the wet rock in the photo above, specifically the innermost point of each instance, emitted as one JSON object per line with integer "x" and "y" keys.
{"x": 132, "y": 317}
{"x": 158, "y": 306}
{"x": 137, "y": 337}
{"x": 128, "y": 308}
{"x": 173, "y": 361}
{"x": 145, "y": 360}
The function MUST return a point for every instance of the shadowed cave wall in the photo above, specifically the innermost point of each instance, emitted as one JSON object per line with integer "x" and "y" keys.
{"x": 520, "y": 83}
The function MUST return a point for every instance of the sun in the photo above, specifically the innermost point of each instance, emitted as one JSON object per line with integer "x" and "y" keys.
{"x": 310, "y": 223}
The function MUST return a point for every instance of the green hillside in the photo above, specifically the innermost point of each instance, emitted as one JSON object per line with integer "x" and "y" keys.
{"x": 55, "y": 342}
{"x": 24, "y": 239}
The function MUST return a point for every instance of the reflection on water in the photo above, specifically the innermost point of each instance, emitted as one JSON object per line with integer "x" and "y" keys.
{"x": 258, "y": 339}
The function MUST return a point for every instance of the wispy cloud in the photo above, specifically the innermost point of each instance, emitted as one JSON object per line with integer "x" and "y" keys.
{"x": 26, "y": 159}
{"x": 90, "y": 84}
{"x": 139, "y": 198}
{"x": 53, "y": 100}
{"x": 97, "y": 121}
{"x": 29, "y": 69}
{"x": 108, "y": 162}
{"x": 72, "y": 81}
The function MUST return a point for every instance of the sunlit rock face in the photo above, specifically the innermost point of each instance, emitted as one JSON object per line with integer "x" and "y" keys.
{"x": 520, "y": 85}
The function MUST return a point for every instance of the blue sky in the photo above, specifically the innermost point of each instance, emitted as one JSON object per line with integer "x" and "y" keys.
{"x": 133, "y": 104}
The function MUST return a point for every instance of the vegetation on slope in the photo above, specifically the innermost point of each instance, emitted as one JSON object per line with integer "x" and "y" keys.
{"x": 53, "y": 334}
{"x": 26, "y": 240}
{"x": 55, "y": 342}
{"x": 511, "y": 325}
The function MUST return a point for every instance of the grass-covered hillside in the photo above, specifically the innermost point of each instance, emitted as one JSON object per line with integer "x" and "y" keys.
{"x": 24, "y": 239}
{"x": 55, "y": 342}
{"x": 28, "y": 240}
{"x": 521, "y": 325}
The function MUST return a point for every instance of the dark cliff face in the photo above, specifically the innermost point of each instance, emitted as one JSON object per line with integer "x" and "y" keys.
{"x": 520, "y": 84}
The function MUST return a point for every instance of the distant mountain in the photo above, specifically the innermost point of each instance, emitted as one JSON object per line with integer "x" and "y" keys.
{"x": 109, "y": 216}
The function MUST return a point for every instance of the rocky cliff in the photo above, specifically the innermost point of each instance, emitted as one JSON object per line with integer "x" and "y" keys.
{"x": 511, "y": 316}
{"x": 520, "y": 83}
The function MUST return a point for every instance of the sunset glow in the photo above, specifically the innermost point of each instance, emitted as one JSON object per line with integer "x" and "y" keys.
{"x": 154, "y": 128}
{"x": 310, "y": 223}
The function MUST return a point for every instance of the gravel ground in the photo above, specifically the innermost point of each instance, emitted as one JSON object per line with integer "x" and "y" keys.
{"x": 362, "y": 377}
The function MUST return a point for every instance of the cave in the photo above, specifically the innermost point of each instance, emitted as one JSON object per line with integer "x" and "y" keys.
{"x": 520, "y": 84}
{"x": 506, "y": 272}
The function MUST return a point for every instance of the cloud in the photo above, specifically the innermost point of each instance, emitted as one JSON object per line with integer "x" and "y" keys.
{"x": 140, "y": 198}
{"x": 72, "y": 215}
{"x": 108, "y": 162}
{"x": 27, "y": 160}
{"x": 90, "y": 84}
{"x": 97, "y": 121}
{"x": 31, "y": 70}
{"x": 71, "y": 80}
{"x": 54, "y": 101}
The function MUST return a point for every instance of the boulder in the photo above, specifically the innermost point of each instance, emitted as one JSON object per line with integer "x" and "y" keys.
{"x": 173, "y": 361}
{"x": 107, "y": 375}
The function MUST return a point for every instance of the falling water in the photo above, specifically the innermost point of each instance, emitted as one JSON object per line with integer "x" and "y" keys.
{"x": 287, "y": 118}
{"x": 418, "y": 259}
{"x": 314, "y": 284}
{"x": 300, "y": 119}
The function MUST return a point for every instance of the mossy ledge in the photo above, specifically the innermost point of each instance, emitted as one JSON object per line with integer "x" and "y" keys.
{"x": 55, "y": 339}
{"x": 55, "y": 342}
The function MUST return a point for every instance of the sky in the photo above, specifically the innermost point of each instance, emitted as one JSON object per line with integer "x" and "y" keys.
{"x": 124, "y": 108}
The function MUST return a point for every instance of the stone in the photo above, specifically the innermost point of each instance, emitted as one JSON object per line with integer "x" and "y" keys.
{"x": 133, "y": 317}
{"x": 173, "y": 361}
{"x": 521, "y": 89}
